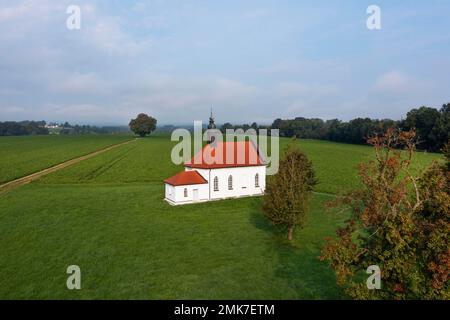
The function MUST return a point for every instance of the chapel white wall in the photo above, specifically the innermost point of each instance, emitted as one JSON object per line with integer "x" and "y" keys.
{"x": 170, "y": 192}
{"x": 243, "y": 181}
{"x": 178, "y": 193}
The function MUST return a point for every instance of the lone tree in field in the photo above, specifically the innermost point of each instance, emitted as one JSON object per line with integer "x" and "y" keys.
{"x": 399, "y": 222}
{"x": 287, "y": 194}
{"x": 143, "y": 124}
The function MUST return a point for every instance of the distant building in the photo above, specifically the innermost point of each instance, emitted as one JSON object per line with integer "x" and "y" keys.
{"x": 52, "y": 126}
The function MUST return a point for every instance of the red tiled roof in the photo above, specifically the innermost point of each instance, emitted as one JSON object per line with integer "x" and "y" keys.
{"x": 215, "y": 156}
{"x": 186, "y": 177}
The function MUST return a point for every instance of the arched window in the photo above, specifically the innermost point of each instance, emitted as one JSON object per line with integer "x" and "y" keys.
{"x": 230, "y": 183}
{"x": 185, "y": 192}
{"x": 256, "y": 180}
{"x": 216, "y": 184}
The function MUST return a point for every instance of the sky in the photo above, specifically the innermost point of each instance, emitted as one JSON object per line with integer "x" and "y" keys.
{"x": 250, "y": 60}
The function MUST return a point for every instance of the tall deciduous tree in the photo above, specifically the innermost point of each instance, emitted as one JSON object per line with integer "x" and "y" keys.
{"x": 287, "y": 194}
{"x": 433, "y": 230}
{"x": 398, "y": 222}
{"x": 425, "y": 120}
{"x": 143, "y": 124}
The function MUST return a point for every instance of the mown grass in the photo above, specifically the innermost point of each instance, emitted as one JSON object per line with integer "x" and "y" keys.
{"x": 106, "y": 214}
{"x": 336, "y": 164}
{"x": 149, "y": 161}
{"x": 130, "y": 244}
{"x": 20, "y": 156}
{"x": 146, "y": 160}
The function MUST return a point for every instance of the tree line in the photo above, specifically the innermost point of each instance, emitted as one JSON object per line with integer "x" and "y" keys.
{"x": 67, "y": 129}
{"x": 244, "y": 126}
{"x": 22, "y": 128}
{"x": 432, "y": 127}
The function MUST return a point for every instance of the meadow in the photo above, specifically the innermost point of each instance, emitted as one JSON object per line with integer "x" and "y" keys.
{"x": 23, "y": 155}
{"x": 106, "y": 215}
{"x": 336, "y": 164}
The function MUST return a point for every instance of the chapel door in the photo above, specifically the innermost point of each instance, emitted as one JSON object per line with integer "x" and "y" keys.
{"x": 195, "y": 194}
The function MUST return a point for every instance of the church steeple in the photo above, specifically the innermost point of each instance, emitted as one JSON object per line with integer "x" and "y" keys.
{"x": 211, "y": 128}
{"x": 211, "y": 124}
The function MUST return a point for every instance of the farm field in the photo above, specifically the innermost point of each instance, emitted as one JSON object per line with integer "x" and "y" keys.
{"x": 24, "y": 155}
{"x": 137, "y": 163}
{"x": 106, "y": 214}
{"x": 336, "y": 164}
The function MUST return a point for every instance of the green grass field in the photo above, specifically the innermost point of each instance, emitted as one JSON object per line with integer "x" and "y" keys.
{"x": 336, "y": 164}
{"x": 106, "y": 214}
{"x": 27, "y": 154}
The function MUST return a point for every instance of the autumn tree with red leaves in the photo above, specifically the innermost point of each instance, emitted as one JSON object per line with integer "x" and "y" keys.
{"x": 399, "y": 222}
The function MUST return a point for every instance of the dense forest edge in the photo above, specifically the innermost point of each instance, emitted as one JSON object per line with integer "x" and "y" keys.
{"x": 432, "y": 128}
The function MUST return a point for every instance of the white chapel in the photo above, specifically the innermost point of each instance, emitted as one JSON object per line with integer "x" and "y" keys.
{"x": 238, "y": 170}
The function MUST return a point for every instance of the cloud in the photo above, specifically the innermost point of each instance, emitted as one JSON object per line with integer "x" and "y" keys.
{"x": 8, "y": 112}
{"x": 398, "y": 85}
{"x": 193, "y": 96}
{"x": 9, "y": 13}
{"x": 78, "y": 83}
{"x": 394, "y": 82}
{"x": 296, "y": 89}
{"x": 87, "y": 112}
{"x": 109, "y": 36}
{"x": 249, "y": 60}
{"x": 78, "y": 113}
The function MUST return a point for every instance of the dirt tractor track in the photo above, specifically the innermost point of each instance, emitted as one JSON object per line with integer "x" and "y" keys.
{"x": 8, "y": 186}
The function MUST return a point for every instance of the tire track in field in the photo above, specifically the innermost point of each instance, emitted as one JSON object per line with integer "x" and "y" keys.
{"x": 105, "y": 167}
{"x": 8, "y": 186}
